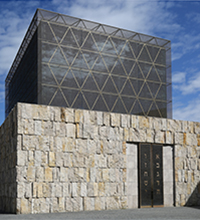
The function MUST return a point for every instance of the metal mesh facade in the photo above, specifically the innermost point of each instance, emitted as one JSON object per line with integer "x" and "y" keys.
{"x": 83, "y": 64}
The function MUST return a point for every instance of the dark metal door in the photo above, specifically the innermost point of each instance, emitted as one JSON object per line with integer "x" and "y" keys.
{"x": 150, "y": 175}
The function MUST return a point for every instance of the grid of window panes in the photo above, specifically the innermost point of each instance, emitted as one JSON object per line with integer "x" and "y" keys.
{"x": 87, "y": 65}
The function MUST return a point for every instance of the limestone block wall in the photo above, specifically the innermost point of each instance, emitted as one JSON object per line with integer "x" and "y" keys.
{"x": 72, "y": 160}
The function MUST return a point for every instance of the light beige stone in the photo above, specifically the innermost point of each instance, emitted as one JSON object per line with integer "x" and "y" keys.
{"x": 37, "y": 127}
{"x": 115, "y": 119}
{"x": 31, "y": 173}
{"x": 25, "y": 206}
{"x": 52, "y": 159}
{"x": 106, "y": 118}
{"x": 21, "y": 158}
{"x": 48, "y": 174}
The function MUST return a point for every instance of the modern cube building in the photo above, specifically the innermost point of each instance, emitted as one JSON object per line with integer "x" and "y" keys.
{"x": 71, "y": 62}
{"x": 87, "y": 143}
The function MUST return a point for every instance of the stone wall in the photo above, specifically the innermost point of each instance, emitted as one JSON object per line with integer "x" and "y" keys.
{"x": 72, "y": 160}
{"x": 8, "y": 160}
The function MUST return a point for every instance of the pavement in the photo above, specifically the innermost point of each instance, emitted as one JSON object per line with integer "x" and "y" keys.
{"x": 173, "y": 213}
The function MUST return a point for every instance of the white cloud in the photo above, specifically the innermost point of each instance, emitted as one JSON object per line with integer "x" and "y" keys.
{"x": 190, "y": 86}
{"x": 189, "y": 112}
{"x": 148, "y": 17}
{"x": 179, "y": 77}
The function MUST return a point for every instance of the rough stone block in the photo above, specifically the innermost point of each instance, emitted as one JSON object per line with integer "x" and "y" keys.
{"x": 21, "y": 158}
{"x": 37, "y": 127}
{"x": 88, "y": 203}
{"x": 115, "y": 119}
{"x": 112, "y": 203}
{"x": 70, "y": 130}
{"x": 48, "y": 174}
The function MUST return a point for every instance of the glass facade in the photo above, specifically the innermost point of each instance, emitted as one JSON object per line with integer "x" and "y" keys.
{"x": 83, "y": 64}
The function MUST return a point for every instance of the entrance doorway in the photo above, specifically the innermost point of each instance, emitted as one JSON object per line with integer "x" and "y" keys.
{"x": 150, "y": 175}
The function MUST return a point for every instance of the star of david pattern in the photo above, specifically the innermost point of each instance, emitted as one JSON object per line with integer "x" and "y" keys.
{"x": 88, "y": 70}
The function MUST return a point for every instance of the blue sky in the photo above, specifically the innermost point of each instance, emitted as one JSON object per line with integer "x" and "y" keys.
{"x": 178, "y": 21}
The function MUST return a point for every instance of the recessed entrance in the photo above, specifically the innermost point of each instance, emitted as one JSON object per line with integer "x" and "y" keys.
{"x": 150, "y": 175}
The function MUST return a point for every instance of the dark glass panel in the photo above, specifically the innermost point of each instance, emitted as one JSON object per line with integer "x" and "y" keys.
{"x": 119, "y": 107}
{"x": 118, "y": 69}
{"x": 47, "y": 76}
{"x": 90, "y": 58}
{"x": 100, "y": 40}
{"x": 161, "y": 59}
{"x": 127, "y": 52}
{"x": 80, "y": 24}
{"x": 162, "y": 106}
{"x": 108, "y": 47}
{"x": 136, "y": 47}
{"x": 100, "y": 29}
{"x": 59, "y": 31}
{"x": 153, "y": 75}
{"x": 153, "y": 51}
{"x": 134, "y": 83}
{"x": 162, "y": 93}
{"x": 46, "y": 33}
{"x": 154, "y": 111}
{"x": 145, "y": 93}
{"x": 146, "y": 104}
{"x": 161, "y": 72}
{"x": 128, "y": 64}
{"x": 128, "y": 90}
{"x": 100, "y": 79}
{"x": 119, "y": 82}
{"x": 100, "y": 105}
{"x": 59, "y": 72}
{"x": 47, "y": 51}
{"x": 144, "y": 56}
{"x": 153, "y": 88}
{"x": 47, "y": 94}
{"x": 69, "y": 81}
{"x": 70, "y": 95}
{"x": 110, "y": 100}
{"x": 90, "y": 97}
{"x": 145, "y": 68}
{"x": 110, "y": 61}
{"x": 80, "y": 62}
{"x": 137, "y": 85}
{"x": 137, "y": 109}
{"x": 58, "y": 100}
{"x": 69, "y": 39}
{"x": 80, "y": 35}
{"x": 90, "y": 25}
{"x": 69, "y": 54}
{"x": 109, "y": 86}
{"x": 58, "y": 58}
{"x": 90, "y": 83}
{"x": 89, "y": 44}
{"x": 99, "y": 65}
{"x": 128, "y": 101}
{"x": 118, "y": 44}
{"x": 80, "y": 76}
{"x": 136, "y": 72}
{"x": 108, "y": 29}
{"x": 80, "y": 102}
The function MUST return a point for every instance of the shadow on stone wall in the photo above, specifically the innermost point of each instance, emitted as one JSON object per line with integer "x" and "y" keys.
{"x": 194, "y": 199}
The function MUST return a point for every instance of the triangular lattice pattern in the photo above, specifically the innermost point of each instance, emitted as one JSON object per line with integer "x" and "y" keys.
{"x": 85, "y": 69}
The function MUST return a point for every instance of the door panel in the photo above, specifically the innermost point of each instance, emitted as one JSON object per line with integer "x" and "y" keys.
{"x": 157, "y": 175}
{"x": 145, "y": 175}
{"x": 150, "y": 175}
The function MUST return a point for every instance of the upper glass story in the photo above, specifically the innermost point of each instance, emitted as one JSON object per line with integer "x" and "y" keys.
{"x": 83, "y": 64}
